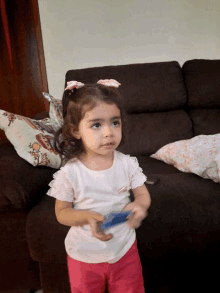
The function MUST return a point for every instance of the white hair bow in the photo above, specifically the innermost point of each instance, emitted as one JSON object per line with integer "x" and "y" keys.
{"x": 74, "y": 84}
{"x": 109, "y": 82}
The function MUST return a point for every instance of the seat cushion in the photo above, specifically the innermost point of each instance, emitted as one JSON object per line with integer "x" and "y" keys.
{"x": 16, "y": 261}
{"x": 12, "y": 230}
{"x": 46, "y": 236}
{"x": 203, "y": 203}
{"x": 152, "y": 166}
{"x": 22, "y": 185}
{"x": 183, "y": 218}
{"x": 46, "y": 241}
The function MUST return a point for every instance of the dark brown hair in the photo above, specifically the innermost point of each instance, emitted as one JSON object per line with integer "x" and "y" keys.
{"x": 74, "y": 109}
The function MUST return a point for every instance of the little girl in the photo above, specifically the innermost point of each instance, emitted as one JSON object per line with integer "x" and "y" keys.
{"x": 94, "y": 182}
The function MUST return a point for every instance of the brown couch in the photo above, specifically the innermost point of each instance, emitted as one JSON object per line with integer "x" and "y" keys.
{"x": 179, "y": 241}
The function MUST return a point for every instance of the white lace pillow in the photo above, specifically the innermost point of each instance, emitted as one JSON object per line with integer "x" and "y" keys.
{"x": 32, "y": 139}
{"x": 199, "y": 155}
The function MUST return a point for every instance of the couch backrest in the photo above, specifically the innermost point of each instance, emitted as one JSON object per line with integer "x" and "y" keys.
{"x": 202, "y": 80}
{"x": 154, "y": 96}
{"x": 148, "y": 87}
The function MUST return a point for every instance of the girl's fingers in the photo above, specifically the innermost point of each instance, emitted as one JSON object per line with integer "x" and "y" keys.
{"x": 135, "y": 220}
{"x": 98, "y": 232}
{"x": 104, "y": 237}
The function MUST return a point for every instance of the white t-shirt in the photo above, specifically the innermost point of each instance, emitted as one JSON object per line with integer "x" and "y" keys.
{"x": 104, "y": 192}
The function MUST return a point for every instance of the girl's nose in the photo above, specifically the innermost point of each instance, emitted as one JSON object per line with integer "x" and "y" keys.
{"x": 107, "y": 131}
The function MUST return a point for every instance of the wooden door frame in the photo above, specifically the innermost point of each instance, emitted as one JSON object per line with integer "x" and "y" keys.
{"x": 23, "y": 75}
{"x": 38, "y": 34}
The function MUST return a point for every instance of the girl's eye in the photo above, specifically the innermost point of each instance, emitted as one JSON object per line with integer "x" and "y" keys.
{"x": 116, "y": 123}
{"x": 96, "y": 126}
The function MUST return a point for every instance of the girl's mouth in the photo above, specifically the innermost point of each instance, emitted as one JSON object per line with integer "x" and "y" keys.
{"x": 108, "y": 144}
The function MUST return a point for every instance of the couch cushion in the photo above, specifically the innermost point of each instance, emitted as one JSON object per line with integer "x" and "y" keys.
{"x": 202, "y": 83}
{"x": 22, "y": 185}
{"x": 46, "y": 242}
{"x": 45, "y": 235}
{"x": 205, "y": 121}
{"x": 148, "y": 132}
{"x": 168, "y": 223}
{"x": 153, "y": 166}
{"x": 203, "y": 203}
{"x": 13, "y": 230}
{"x": 156, "y": 86}
{"x": 184, "y": 217}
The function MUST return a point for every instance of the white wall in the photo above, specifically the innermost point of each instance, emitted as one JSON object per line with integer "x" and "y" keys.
{"x": 90, "y": 33}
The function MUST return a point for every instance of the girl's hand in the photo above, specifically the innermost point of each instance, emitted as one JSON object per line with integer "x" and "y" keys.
{"x": 139, "y": 212}
{"x": 95, "y": 220}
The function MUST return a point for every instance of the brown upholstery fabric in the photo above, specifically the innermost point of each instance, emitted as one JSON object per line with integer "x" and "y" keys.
{"x": 179, "y": 240}
{"x": 46, "y": 241}
{"x": 19, "y": 275}
{"x": 156, "y": 86}
{"x": 17, "y": 268}
{"x": 182, "y": 227}
{"x": 202, "y": 83}
{"x": 22, "y": 185}
{"x": 205, "y": 121}
{"x": 157, "y": 130}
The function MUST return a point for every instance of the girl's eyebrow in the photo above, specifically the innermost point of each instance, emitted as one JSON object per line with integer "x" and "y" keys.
{"x": 100, "y": 119}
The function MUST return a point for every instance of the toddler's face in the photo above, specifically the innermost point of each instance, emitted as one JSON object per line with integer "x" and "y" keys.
{"x": 101, "y": 129}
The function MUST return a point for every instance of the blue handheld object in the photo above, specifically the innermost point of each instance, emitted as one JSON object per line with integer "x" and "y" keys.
{"x": 114, "y": 219}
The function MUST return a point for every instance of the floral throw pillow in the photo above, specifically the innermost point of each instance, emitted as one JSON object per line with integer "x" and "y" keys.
{"x": 55, "y": 111}
{"x": 32, "y": 139}
{"x": 199, "y": 155}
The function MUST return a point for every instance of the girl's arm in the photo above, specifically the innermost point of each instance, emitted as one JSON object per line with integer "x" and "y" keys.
{"x": 139, "y": 206}
{"x": 142, "y": 196}
{"x": 68, "y": 216}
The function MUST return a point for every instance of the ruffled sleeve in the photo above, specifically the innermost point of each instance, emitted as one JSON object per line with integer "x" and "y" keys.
{"x": 61, "y": 187}
{"x": 135, "y": 173}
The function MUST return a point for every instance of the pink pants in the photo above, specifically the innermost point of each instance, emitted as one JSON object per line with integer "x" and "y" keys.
{"x": 124, "y": 276}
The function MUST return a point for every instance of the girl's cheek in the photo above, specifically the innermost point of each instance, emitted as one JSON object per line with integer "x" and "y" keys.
{"x": 93, "y": 137}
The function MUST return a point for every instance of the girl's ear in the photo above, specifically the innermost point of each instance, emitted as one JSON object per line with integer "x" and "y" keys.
{"x": 74, "y": 132}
